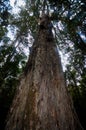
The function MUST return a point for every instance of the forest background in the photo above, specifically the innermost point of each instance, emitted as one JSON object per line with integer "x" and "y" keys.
{"x": 18, "y": 28}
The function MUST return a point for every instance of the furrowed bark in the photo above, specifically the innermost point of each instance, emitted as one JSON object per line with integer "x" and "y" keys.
{"x": 42, "y": 101}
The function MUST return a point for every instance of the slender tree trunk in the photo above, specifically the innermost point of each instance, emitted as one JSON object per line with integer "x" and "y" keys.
{"x": 42, "y": 101}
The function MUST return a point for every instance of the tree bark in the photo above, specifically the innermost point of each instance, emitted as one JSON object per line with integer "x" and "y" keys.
{"x": 42, "y": 101}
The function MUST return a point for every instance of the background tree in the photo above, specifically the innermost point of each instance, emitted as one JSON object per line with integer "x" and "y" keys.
{"x": 10, "y": 61}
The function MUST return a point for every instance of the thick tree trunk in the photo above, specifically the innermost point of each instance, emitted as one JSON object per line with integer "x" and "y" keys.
{"x": 42, "y": 101}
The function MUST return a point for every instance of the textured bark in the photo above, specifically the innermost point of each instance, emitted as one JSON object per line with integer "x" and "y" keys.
{"x": 42, "y": 101}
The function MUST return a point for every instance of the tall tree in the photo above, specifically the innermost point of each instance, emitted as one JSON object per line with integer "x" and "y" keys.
{"x": 42, "y": 101}
{"x": 69, "y": 20}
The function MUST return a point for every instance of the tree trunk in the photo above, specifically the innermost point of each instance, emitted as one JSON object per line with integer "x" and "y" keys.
{"x": 42, "y": 101}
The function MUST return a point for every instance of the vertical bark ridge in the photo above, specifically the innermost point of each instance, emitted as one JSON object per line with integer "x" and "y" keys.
{"x": 42, "y": 101}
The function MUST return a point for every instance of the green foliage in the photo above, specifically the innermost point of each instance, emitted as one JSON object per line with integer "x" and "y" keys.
{"x": 76, "y": 81}
{"x": 9, "y": 71}
{"x": 4, "y": 15}
{"x": 69, "y": 21}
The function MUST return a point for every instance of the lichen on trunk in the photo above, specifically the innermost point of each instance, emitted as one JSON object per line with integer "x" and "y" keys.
{"x": 42, "y": 101}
